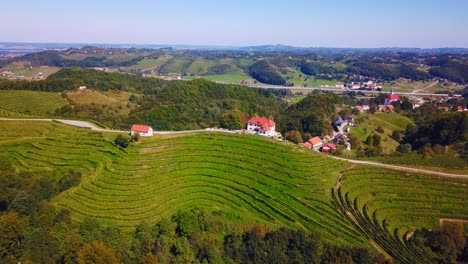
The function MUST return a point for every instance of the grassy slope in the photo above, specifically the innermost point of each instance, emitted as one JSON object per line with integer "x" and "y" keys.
{"x": 267, "y": 181}
{"x": 18, "y": 103}
{"x": 149, "y": 64}
{"x": 388, "y": 121}
{"x": 24, "y": 68}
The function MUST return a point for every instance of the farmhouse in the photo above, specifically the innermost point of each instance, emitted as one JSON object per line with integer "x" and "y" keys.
{"x": 327, "y": 147}
{"x": 262, "y": 126}
{"x": 354, "y": 85}
{"x": 142, "y": 130}
{"x": 339, "y": 85}
{"x": 316, "y": 142}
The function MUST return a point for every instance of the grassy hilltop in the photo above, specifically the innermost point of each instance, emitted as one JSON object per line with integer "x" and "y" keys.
{"x": 247, "y": 178}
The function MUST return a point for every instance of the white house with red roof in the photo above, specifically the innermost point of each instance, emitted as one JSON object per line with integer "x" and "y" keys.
{"x": 262, "y": 126}
{"x": 392, "y": 97}
{"x": 339, "y": 85}
{"x": 354, "y": 85}
{"x": 142, "y": 130}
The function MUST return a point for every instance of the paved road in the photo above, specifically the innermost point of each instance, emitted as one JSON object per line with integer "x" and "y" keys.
{"x": 402, "y": 168}
{"x": 95, "y": 128}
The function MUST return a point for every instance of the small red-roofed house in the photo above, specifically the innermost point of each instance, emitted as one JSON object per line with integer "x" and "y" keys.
{"x": 262, "y": 126}
{"x": 142, "y": 130}
{"x": 339, "y": 85}
{"x": 327, "y": 147}
{"x": 316, "y": 142}
{"x": 359, "y": 107}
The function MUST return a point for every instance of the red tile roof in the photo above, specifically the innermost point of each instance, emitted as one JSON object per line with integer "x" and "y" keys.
{"x": 330, "y": 146}
{"x": 315, "y": 141}
{"x": 393, "y": 97}
{"x": 265, "y": 123}
{"x": 140, "y": 128}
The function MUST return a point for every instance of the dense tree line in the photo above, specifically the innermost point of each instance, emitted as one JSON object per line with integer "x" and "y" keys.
{"x": 54, "y": 58}
{"x": 443, "y": 245}
{"x": 434, "y": 128}
{"x": 451, "y": 70}
{"x": 264, "y": 72}
{"x": 316, "y": 68}
{"x": 387, "y": 72}
{"x": 200, "y": 103}
{"x": 311, "y": 116}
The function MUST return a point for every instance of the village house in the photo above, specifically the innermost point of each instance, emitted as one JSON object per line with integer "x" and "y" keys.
{"x": 142, "y": 130}
{"x": 327, "y": 147}
{"x": 354, "y": 85}
{"x": 365, "y": 107}
{"x": 339, "y": 85}
{"x": 262, "y": 126}
{"x": 359, "y": 107}
{"x": 316, "y": 142}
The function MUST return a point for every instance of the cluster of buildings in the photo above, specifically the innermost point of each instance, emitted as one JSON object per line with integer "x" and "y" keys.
{"x": 359, "y": 85}
{"x": 387, "y": 106}
{"x": 7, "y": 74}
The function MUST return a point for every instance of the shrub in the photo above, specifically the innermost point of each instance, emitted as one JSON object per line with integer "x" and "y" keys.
{"x": 121, "y": 141}
{"x": 404, "y": 148}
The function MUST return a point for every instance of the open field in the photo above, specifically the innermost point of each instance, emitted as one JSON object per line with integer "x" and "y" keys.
{"x": 30, "y": 103}
{"x": 148, "y": 64}
{"x": 249, "y": 177}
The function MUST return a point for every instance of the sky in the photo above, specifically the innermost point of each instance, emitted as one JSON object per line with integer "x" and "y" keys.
{"x": 304, "y": 23}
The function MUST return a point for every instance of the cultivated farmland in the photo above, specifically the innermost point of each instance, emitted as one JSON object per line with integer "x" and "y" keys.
{"x": 249, "y": 177}
{"x": 29, "y": 103}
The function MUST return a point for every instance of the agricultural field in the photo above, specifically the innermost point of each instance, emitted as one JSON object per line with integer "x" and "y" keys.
{"x": 407, "y": 86}
{"x": 148, "y": 65}
{"x": 15, "y": 103}
{"x": 176, "y": 65}
{"x": 387, "y": 206}
{"x": 250, "y": 178}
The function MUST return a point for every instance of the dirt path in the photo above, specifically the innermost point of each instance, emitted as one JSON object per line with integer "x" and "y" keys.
{"x": 93, "y": 127}
{"x": 402, "y": 168}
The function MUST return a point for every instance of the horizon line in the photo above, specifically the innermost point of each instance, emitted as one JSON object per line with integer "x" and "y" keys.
{"x": 227, "y": 46}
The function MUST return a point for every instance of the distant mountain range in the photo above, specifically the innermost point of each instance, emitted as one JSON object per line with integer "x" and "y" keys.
{"x": 23, "y": 48}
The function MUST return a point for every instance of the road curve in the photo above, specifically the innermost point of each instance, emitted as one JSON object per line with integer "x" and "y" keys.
{"x": 85, "y": 124}
{"x": 402, "y": 168}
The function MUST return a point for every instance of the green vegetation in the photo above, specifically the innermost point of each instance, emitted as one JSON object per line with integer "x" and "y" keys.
{"x": 268, "y": 182}
{"x": 21, "y": 103}
{"x": 387, "y": 205}
{"x": 264, "y": 72}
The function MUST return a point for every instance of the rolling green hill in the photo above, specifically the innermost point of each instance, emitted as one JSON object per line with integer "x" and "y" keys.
{"x": 251, "y": 178}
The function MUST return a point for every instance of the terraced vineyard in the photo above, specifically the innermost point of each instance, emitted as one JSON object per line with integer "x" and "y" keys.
{"x": 17, "y": 103}
{"x": 388, "y": 205}
{"x": 249, "y": 177}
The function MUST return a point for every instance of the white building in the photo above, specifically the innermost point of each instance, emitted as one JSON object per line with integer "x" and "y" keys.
{"x": 262, "y": 126}
{"x": 142, "y": 130}
{"x": 339, "y": 85}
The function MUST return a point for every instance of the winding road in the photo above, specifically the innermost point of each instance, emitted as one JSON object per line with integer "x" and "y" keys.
{"x": 93, "y": 127}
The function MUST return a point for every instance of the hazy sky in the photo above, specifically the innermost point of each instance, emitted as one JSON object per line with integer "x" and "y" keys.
{"x": 311, "y": 23}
